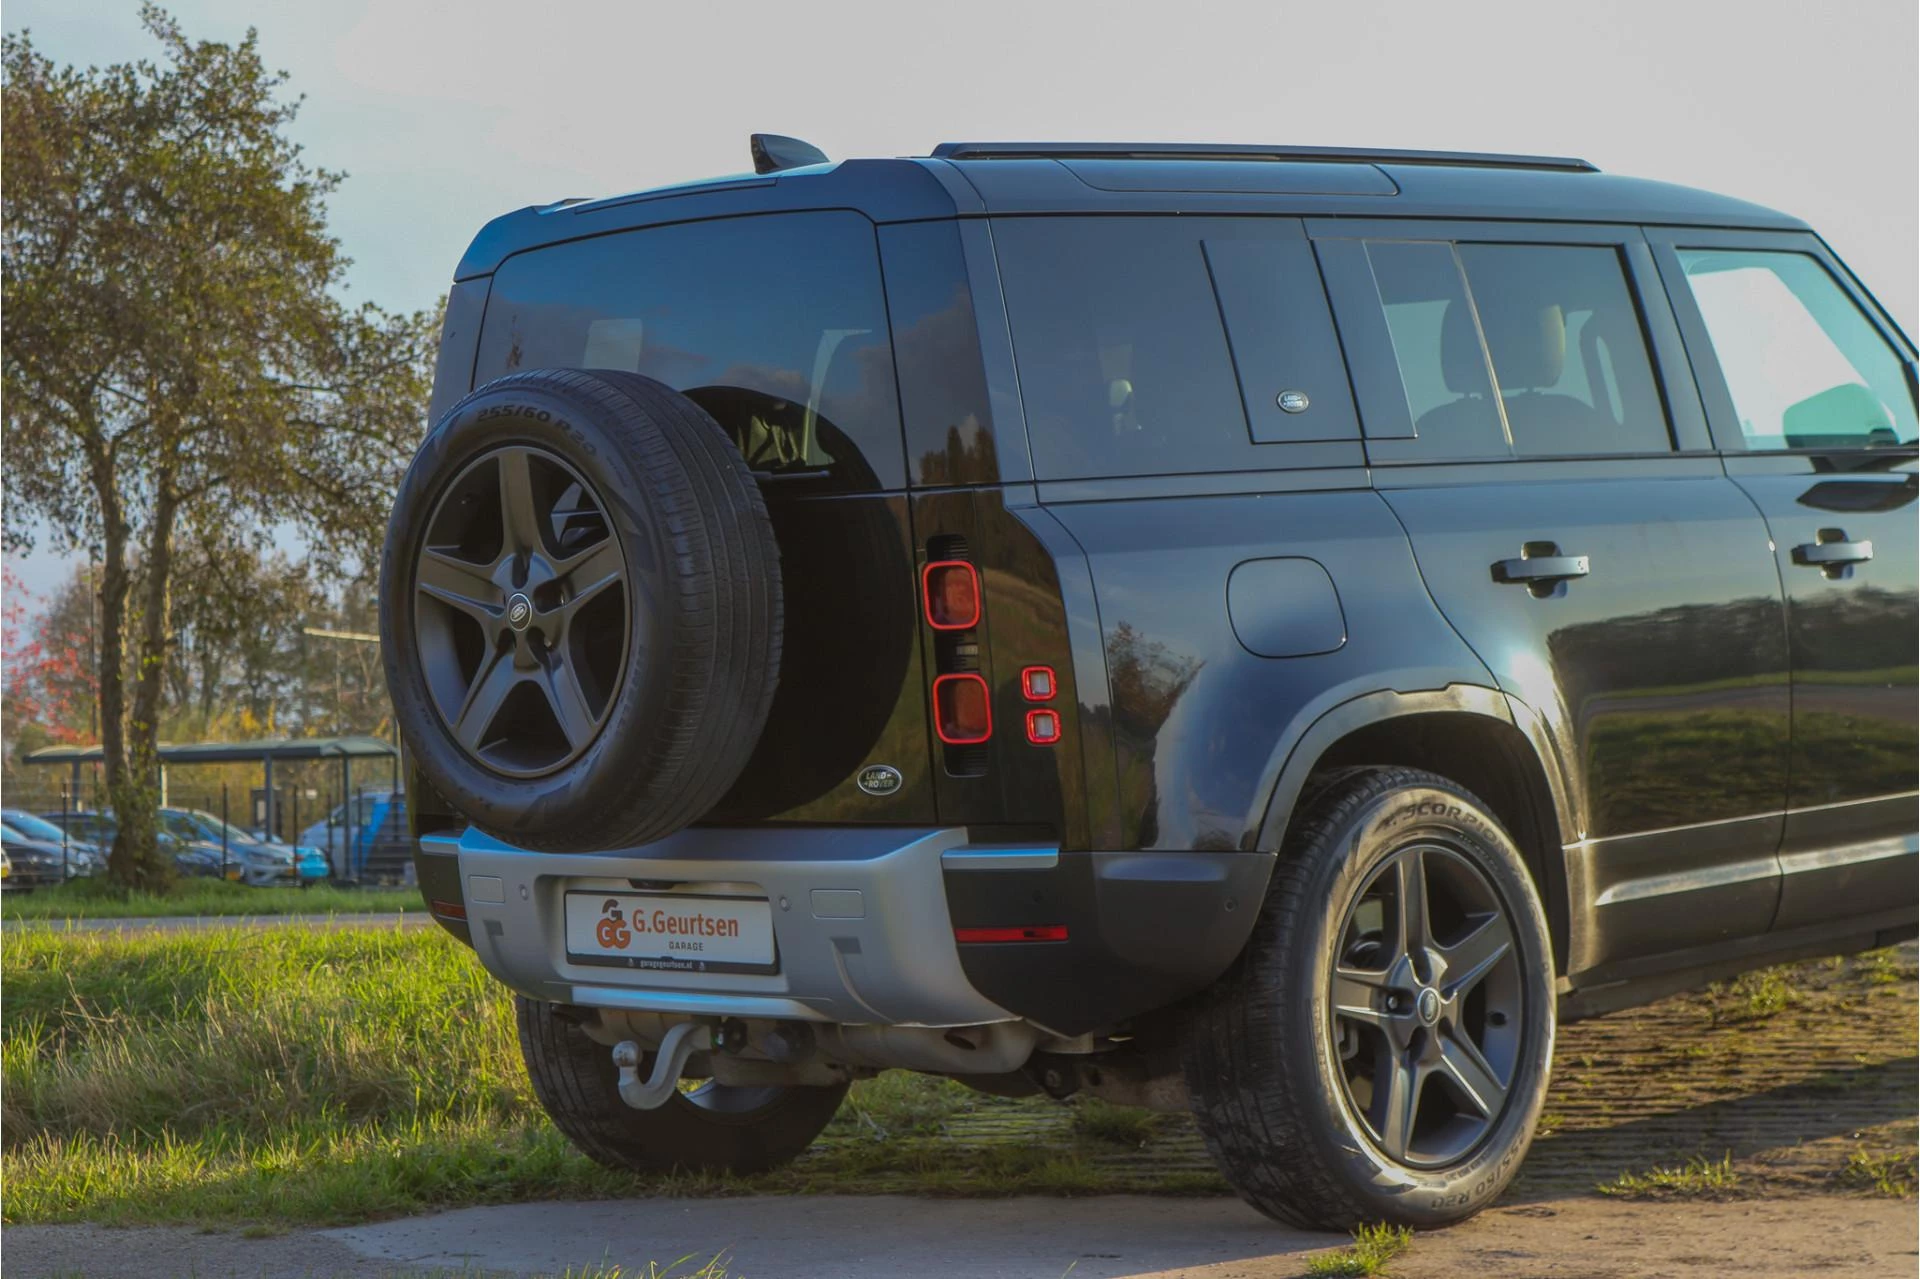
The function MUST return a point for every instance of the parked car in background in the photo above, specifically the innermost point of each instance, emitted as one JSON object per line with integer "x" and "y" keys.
{"x": 196, "y": 858}
{"x": 350, "y": 837}
{"x": 83, "y": 857}
{"x": 250, "y": 859}
{"x": 33, "y": 862}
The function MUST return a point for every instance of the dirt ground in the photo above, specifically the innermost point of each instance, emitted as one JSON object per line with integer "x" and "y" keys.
{"x": 1791, "y": 1095}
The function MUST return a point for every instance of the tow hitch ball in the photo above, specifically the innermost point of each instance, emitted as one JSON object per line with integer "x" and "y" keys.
{"x": 681, "y": 1042}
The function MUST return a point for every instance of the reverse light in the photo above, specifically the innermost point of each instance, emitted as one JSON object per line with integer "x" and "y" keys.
{"x": 1043, "y": 727}
{"x": 952, "y": 592}
{"x": 962, "y": 709}
{"x": 1037, "y": 683}
{"x": 1029, "y": 932}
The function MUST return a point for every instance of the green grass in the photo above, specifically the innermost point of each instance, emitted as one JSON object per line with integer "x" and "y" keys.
{"x": 1117, "y": 1125}
{"x": 1698, "y": 1178}
{"x": 1754, "y": 996}
{"x": 1885, "y": 968}
{"x": 1893, "y": 1174}
{"x": 300, "y": 1077}
{"x": 1373, "y": 1247}
{"x": 97, "y": 899}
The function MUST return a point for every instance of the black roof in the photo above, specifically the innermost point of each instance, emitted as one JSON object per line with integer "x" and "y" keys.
{"x": 976, "y": 179}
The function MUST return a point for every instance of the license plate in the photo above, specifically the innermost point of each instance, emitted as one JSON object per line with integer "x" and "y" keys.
{"x": 680, "y": 932}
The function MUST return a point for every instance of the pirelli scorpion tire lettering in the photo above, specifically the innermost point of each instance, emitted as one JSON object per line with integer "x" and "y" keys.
{"x": 709, "y": 1128}
{"x": 581, "y": 608}
{"x": 1380, "y": 1052}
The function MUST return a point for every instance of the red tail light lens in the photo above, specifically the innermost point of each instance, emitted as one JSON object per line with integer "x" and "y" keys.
{"x": 962, "y": 710}
{"x": 952, "y": 591}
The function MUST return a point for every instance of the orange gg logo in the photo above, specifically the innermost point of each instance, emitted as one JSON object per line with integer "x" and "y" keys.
{"x": 612, "y": 931}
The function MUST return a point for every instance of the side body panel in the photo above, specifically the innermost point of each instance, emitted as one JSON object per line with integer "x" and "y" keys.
{"x": 1201, "y": 725}
{"x": 1660, "y": 678}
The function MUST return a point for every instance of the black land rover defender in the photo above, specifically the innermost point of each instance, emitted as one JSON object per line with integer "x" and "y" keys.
{"x": 1263, "y": 630}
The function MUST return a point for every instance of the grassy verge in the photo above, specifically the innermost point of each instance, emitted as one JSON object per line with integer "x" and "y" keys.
{"x": 310, "y": 1078}
{"x": 96, "y": 899}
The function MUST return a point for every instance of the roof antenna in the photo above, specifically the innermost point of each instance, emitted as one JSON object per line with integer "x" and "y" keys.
{"x": 772, "y": 153}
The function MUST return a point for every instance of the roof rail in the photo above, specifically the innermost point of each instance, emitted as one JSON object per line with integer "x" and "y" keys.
{"x": 1219, "y": 151}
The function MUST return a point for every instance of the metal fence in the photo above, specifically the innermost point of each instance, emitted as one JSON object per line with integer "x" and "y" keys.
{"x": 363, "y": 834}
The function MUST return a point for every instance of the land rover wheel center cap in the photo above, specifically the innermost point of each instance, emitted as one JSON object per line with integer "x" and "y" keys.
{"x": 1427, "y": 1005}
{"x": 519, "y": 611}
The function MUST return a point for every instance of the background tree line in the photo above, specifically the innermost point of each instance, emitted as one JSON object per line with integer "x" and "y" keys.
{"x": 185, "y": 390}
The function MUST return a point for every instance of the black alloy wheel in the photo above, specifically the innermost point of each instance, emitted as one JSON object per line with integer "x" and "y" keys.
{"x": 1381, "y": 1049}
{"x": 521, "y": 611}
{"x": 1426, "y": 1005}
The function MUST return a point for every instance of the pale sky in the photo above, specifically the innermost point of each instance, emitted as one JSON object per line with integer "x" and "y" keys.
{"x": 444, "y": 114}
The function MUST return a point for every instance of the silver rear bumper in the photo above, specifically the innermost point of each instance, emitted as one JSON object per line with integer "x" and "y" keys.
{"x": 860, "y": 922}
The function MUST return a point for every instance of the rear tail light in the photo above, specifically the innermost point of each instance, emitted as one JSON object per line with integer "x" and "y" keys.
{"x": 1037, "y": 684}
{"x": 952, "y": 592}
{"x": 962, "y": 709}
{"x": 1029, "y": 932}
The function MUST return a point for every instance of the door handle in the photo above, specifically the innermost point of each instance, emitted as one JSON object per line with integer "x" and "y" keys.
{"x": 1832, "y": 552}
{"x": 1541, "y": 568}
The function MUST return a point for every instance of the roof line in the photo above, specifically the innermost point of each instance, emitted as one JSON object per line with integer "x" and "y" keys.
{"x": 1224, "y": 151}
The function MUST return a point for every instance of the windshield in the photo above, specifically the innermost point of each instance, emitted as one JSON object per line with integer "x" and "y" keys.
{"x": 211, "y": 825}
{"x": 193, "y": 824}
{"x": 30, "y": 826}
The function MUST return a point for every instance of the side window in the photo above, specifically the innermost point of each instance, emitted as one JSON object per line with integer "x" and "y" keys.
{"x": 1568, "y": 349}
{"x": 1436, "y": 344}
{"x": 944, "y": 401}
{"x": 1553, "y": 327}
{"x": 776, "y": 325}
{"x": 1804, "y": 367}
{"x": 1123, "y": 362}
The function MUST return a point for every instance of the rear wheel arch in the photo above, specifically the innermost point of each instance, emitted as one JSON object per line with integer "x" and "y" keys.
{"x": 1465, "y": 733}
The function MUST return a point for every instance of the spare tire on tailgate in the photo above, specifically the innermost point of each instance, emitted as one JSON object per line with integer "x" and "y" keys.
{"x": 580, "y": 610}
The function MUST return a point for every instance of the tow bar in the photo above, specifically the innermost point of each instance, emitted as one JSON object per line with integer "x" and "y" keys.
{"x": 681, "y": 1041}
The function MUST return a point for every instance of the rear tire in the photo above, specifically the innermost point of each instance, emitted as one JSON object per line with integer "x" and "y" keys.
{"x": 1282, "y": 1057}
{"x": 716, "y": 1128}
{"x": 580, "y": 610}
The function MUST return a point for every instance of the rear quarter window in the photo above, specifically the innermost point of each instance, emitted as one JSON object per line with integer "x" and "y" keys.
{"x": 775, "y": 324}
{"x": 1123, "y": 362}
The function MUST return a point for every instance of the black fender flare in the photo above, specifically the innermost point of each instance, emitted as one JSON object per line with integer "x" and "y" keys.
{"x": 1296, "y": 757}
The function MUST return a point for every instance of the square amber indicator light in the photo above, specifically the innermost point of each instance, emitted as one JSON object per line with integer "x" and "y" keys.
{"x": 1037, "y": 684}
{"x": 962, "y": 710}
{"x": 952, "y": 591}
{"x": 1043, "y": 727}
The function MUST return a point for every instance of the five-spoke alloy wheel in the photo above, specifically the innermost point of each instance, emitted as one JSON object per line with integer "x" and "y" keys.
{"x": 1427, "y": 1006}
{"x": 521, "y": 611}
{"x": 1380, "y": 1051}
